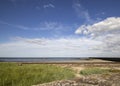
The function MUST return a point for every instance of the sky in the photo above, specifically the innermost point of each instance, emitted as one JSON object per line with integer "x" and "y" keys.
{"x": 59, "y": 28}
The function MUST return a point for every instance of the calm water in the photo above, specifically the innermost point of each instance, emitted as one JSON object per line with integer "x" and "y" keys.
{"x": 39, "y": 59}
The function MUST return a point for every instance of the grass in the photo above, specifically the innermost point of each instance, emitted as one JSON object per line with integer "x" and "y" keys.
{"x": 89, "y": 71}
{"x": 30, "y": 74}
{"x": 95, "y": 70}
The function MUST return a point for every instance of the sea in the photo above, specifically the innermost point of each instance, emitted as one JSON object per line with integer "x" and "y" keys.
{"x": 46, "y": 59}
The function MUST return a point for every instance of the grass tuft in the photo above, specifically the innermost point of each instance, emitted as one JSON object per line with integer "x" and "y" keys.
{"x": 89, "y": 71}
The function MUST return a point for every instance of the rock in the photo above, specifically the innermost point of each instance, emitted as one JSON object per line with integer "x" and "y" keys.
{"x": 91, "y": 80}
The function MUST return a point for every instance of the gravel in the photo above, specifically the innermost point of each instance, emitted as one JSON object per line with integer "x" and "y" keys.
{"x": 91, "y": 80}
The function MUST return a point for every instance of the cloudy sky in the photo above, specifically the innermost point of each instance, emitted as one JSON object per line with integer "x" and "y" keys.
{"x": 59, "y": 28}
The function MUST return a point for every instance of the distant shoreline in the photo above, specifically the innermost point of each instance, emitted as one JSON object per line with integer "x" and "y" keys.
{"x": 56, "y": 59}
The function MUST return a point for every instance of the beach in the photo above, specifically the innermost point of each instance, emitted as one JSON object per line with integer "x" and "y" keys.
{"x": 92, "y": 72}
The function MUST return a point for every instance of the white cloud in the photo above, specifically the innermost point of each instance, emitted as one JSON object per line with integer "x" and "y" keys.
{"x": 112, "y": 43}
{"x": 43, "y": 26}
{"x": 32, "y": 41}
{"x": 13, "y": 25}
{"x": 106, "y": 31}
{"x": 100, "y": 39}
{"x": 81, "y": 11}
{"x": 66, "y": 47}
{"x": 110, "y": 25}
{"x": 48, "y": 6}
{"x": 49, "y": 26}
{"x": 54, "y": 28}
{"x": 49, "y": 47}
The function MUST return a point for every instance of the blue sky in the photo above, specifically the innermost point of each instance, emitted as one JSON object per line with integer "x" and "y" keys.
{"x": 64, "y": 28}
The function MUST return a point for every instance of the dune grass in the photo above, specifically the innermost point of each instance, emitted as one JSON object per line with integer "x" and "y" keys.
{"x": 95, "y": 70}
{"x": 89, "y": 71}
{"x": 26, "y": 75}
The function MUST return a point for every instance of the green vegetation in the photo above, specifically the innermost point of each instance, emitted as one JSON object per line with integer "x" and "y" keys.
{"x": 28, "y": 74}
{"x": 95, "y": 70}
{"x": 89, "y": 71}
